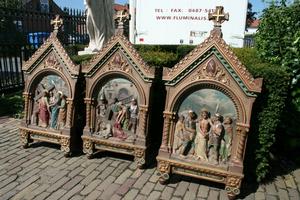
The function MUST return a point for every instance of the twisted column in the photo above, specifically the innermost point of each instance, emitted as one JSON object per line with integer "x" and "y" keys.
{"x": 241, "y": 134}
{"x": 88, "y": 103}
{"x": 167, "y": 123}
{"x": 26, "y": 96}
{"x": 143, "y": 113}
{"x": 70, "y": 107}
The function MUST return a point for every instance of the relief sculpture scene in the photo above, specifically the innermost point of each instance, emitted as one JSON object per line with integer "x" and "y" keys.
{"x": 205, "y": 127}
{"x": 117, "y": 111}
{"x": 50, "y": 103}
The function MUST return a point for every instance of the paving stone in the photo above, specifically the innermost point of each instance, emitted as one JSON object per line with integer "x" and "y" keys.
{"x": 119, "y": 170}
{"x": 93, "y": 195}
{"x": 213, "y": 194}
{"x": 154, "y": 178}
{"x": 115, "y": 163}
{"x": 75, "y": 172}
{"x": 88, "y": 170}
{"x": 77, "y": 197}
{"x": 148, "y": 187}
{"x": 131, "y": 194}
{"x": 21, "y": 194}
{"x": 154, "y": 195}
{"x": 289, "y": 181}
{"x": 283, "y": 194}
{"x": 224, "y": 196}
{"x": 140, "y": 197}
{"x": 249, "y": 197}
{"x": 106, "y": 173}
{"x": 89, "y": 178}
{"x": 90, "y": 187}
{"x": 159, "y": 187}
{"x": 8, "y": 180}
{"x": 27, "y": 182}
{"x": 74, "y": 181}
{"x": 271, "y": 197}
{"x": 181, "y": 188}
{"x": 203, "y": 191}
{"x": 141, "y": 181}
{"x": 29, "y": 174}
{"x": 279, "y": 182}
{"x": 122, "y": 178}
{"x": 36, "y": 191}
{"x": 260, "y": 196}
{"x": 56, "y": 195}
{"x": 72, "y": 192}
{"x": 167, "y": 193}
{"x": 110, "y": 192}
{"x": 126, "y": 186}
{"x": 58, "y": 184}
{"x": 42, "y": 196}
{"x": 270, "y": 189}
{"x": 8, "y": 195}
{"x": 294, "y": 194}
{"x": 106, "y": 183}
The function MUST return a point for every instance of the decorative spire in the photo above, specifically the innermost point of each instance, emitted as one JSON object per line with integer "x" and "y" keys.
{"x": 57, "y": 23}
{"x": 218, "y": 17}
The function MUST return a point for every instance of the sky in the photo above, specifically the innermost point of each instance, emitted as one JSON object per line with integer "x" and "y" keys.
{"x": 258, "y": 5}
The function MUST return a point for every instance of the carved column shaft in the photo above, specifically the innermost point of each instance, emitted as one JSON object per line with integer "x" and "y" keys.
{"x": 166, "y": 130}
{"x": 241, "y": 136}
{"x": 88, "y": 103}
{"x": 143, "y": 113}
{"x": 26, "y": 106}
{"x": 70, "y": 108}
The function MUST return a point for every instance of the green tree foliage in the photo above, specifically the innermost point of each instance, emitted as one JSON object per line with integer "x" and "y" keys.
{"x": 278, "y": 42}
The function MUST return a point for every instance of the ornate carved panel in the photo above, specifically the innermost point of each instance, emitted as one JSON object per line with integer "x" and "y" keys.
{"x": 117, "y": 99}
{"x": 207, "y": 113}
{"x": 50, "y": 79}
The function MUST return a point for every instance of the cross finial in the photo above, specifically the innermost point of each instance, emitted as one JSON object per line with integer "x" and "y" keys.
{"x": 218, "y": 16}
{"x": 57, "y": 22}
{"x": 121, "y": 15}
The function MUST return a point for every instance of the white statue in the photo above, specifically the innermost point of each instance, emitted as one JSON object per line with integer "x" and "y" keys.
{"x": 99, "y": 22}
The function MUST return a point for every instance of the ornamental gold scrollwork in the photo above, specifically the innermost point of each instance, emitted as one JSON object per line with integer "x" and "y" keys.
{"x": 24, "y": 138}
{"x": 163, "y": 171}
{"x": 233, "y": 186}
{"x": 65, "y": 144}
{"x": 88, "y": 147}
{"x": 139, "y": 155}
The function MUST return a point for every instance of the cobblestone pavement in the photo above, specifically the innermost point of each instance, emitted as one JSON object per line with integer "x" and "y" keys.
{"x": 42, "y": 172}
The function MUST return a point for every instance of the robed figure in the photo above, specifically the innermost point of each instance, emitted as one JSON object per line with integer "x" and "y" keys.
{"x": 99, "y": 22}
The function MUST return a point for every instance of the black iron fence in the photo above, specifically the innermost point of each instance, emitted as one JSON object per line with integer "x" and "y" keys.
{"x": 23, "y": 30}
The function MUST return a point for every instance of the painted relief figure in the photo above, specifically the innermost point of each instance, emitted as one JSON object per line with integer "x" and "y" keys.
{"x": 44, "y": 112}
{"x": 226, "y": 142}
{"x": 202, "y": 136}
{"x": 217, "y": 133}
{"x": 50, "y": 104}
{"x": 205, "y": 139}
{"x": 117, "y": 114}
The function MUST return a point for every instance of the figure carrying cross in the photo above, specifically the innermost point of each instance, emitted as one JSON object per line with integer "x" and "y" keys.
{"x": 218, "y": 16}
{"x": 57, "y": 22}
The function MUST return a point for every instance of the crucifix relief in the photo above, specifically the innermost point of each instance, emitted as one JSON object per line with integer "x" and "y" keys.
{"x": 218, "y": 16}
{"x": 57, "y": 22}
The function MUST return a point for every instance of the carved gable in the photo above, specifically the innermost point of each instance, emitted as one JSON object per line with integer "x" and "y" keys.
{"x": 213, "y": 59}
{"x": 118, "y": 55}
{"x": 51, "y": 55}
